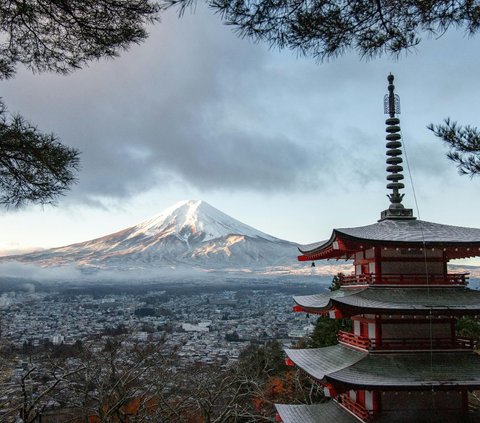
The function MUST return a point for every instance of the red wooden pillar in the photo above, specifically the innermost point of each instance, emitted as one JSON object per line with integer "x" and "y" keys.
{"x": 361, "y": 397}
{"x": 453, "y": 331}
{"x": 445, "y": 269}
{"x": 378, "y": 331}
{"x": 378, "y": 267}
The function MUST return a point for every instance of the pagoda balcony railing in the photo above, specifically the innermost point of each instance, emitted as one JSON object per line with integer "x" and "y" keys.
{"x": 359, "y": 410}
{"x": 422, "y": 343}
{"x": 364, "y": 343}
{"x": 353, "y": 340}
{"x": 453, "y": 279}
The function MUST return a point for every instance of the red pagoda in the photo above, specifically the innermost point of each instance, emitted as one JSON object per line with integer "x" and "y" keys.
{"x": 403, "y": 360}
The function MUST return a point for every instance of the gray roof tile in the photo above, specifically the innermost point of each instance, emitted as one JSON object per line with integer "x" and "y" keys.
{"x": 319, "y": 362}
{"x": 323, "y": 300}
{"x": 413, "y": 231}
{"x": 316, "y": 413}
{"x": 412, "y": 299}
{"x": 395, "y": 299}
{"x": 407, "y": 231}
{"x": 332, "y": 412}
{"x": 459, "y": 369}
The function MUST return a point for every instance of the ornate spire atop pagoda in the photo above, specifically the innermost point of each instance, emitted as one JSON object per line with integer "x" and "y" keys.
{"x": 394, "y": 157}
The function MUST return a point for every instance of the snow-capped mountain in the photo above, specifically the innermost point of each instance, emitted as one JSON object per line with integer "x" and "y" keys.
{"x": 190, "y": 233}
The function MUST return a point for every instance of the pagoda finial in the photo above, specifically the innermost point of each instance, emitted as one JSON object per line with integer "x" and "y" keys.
{"x": 394, "y": 159}
{"x": 391, "y": 100}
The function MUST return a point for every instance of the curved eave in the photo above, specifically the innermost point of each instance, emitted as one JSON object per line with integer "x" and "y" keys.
{"x": 326, "y": 253}
{"x": 317, "y": 246}
{"x": 319, "y": 362}
{"x": 454, "y": 301}
{"x": 457, "y": 301}
{"x": 316, "y": 413}
{"x": 322, "y": 302}
{"x": 335, "y": 248}
{"x": 415, "y": 371}
{"x": 320, "y": 250}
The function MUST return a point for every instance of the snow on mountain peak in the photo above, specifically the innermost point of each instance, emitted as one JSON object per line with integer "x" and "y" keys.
{"x": 197, "y": 218}
{"x": 190, "y": 234}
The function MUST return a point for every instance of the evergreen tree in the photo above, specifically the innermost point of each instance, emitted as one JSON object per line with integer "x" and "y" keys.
{"x": 325, "y": 332}
{"x": 326, "y": 329}
{"x": 326, "y": 29}
{"x": 335, "y": 285}
{"x": 57, "y": 36}
{"x": 34, "y": 167}
{"x": 61, "y": 36}
{"x": 463, "y": 143}
{"x": 469, "y": 327}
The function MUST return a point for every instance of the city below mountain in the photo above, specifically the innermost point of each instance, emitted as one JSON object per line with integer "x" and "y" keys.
{"x": 189, "y": 235}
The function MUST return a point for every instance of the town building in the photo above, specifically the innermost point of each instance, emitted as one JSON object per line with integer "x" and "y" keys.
{"x": 403, "y": 360}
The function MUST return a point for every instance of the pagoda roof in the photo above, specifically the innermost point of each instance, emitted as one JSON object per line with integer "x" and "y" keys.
{"x": 413, "y": 370}
{"x": 323, "y": 302}
{"x": 399, "y": 300}
{"x": 319, "y": 362}
{"x": 350, "y": 367}
{"x": 329, "y": 411}
{"x": 395, "y": 232}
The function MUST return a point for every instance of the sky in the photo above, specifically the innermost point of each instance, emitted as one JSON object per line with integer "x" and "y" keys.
{"x": 282, "y": 143}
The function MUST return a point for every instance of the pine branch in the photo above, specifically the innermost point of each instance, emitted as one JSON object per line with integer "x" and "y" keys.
{"x": 62, "y": 36}
{"x": 34, "y": 167}
{"x": 463, "y": 143}
{"x": 326, "y": 29}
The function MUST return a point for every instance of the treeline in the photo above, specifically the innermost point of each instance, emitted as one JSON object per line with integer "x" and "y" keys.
{"x": 120, "y": 381}
{"x": 117, "y": 381}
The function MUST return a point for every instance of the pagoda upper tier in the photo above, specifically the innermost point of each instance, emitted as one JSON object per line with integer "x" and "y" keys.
{"x": 453, "y": 241}
{"x": 399, "y": 252}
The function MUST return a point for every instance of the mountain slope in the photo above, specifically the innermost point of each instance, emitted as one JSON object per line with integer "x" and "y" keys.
{"x": 190, "y": 233}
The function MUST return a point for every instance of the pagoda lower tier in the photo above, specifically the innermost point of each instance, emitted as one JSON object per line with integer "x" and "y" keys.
{"x": 386, "y": 387}
{"x": 401, "y": 357}
{"x": 330, "y": 411}
{"x": 335, "y": 411}
{"x": 342, "y": 367}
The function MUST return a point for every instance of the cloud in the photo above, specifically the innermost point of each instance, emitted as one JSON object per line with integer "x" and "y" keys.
{"x": 180, "y": 108}
{"x": 24, "y": 274}
{"x": 198, "y": 107}
{"x": 36, "y": 273}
